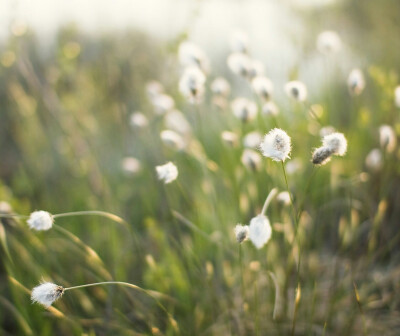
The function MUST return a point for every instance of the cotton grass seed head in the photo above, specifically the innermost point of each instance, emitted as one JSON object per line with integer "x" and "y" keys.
{"x": 251, "y": 159}
{"x": 162, "y": 103}
{"x": 260, "y": 231}
{"x": 374, "y": 160}
{"x": 153, "y": 89}
{"x": 397, "y": 96}
{"x": 321, "y": 156}
{"x": 256, "y": 68}
{"x": 221, "y": 87}
{"x": 192, "y": 55}
{"x": 230, "y": 138}
{"x": 131, "y": 166}
{"x": 252, "y": 139}
{"x": 284, "y": 198}
{"x": 263, "y": 87}
{"x": 356, "y": 82}
{"x": 241, "y": 233}
{"x": 387, "y": 138}
{"x": 191, "y": 84}
{"x": 240, "y": 64}
{"x": 328, "y": 42}
{"x": 138, "y": 120}
{"x": 46, "y": 293}
{"x": 244, "y": 109}
{"x": 167, "y": 173}
{"x": 296, "y": 90}
{"x": 336, "y": 142}
{"x": 40, "y": 220}
{"x": 176, "y": 121}
{"x": 172, "y": 140}
{"x": 270, "y": 109}
{"x": 276, "y": 145}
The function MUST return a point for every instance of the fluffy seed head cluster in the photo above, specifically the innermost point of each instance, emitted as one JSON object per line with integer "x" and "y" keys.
{"x": 172, "y": 140}
{"x": 192, "y": 55}
{"x": 263, "y": 87}
{"x": 46, "y": 293}
{"x": 241, "y": 233}
{"x": 397, "y": 96}
{"x": 244, "y": 109}
{"x": 260, "y": 231}
{"x": 167, "y": 173}
{"x": 191, "y": 84}
{"x": 276, "y": 145}
{"x": 251, "y": 159}
{"x": 296, "y": 90}
{"x": 221, "y": 87}
{"x": 230, "y": 138}
{"x": 328, "y": 42}
{"x": 356, "y": 82}
{"x": 336, "y": 142}
{"x": 40, "y": 220}
{"x": 387, "y": 138}
{"x": 270, "y": 109}
{"x": 131, "y": 165}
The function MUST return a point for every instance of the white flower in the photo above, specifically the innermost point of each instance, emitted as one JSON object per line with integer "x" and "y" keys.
{"x": 276, "y": 145}
{"x": 387, "y": 138}
{"x": 240, "y": 64}
{"x": 397, "y": 96}
{"x": 239, "y": 42}
{"x": 284, "y": 197}
{"x": 374, "y": 160}
{"x": 356, "y": 82}
{"x": 256, "y": 68}
{"x": 252, "y": 139}
{"x": 296, "y": 90}
{"x": 328, "y": 42}
{"x": 221, "y": 87}
{"x": 336, "y": 142}
{"x": 130, "y": 165}
{"x": 46, "y": 293}
{"x": 176, "y": 121}
{"x": 172, "y": 139}
{"x": 167, "y": 173}
{"x": 241, "y": 233}
{"x": 270, "y": 108}
{"x": 162, "y": 103}
{"x": 260, "y": 231}
{"x": 138, "y": 120}
{"x": 251, "y": 159}
{"x": 191, "y": 55}
{"x": 244, "y": 109}
{"x": 40, "y": 220}
{"x": 191, "y": 84}
{"x": 263, "y": 87}
{"x": 322, "y": 156}
{"x": 230, "y": 138}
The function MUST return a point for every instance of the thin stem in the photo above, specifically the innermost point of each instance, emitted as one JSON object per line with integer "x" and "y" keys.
{"x": 257, "y": 308}
{"x": 241, "y": 276}
{"x": 271, "y": 195}
{"x": 290, "y": 195}
{"x": 13, "y": 216}
{"x": 126, "y": 284}
{"x": 312, "y": 113}
{"x": 108, "y": 215}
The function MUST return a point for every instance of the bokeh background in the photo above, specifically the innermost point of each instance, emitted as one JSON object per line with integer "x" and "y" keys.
{"x": 71, "y": 76}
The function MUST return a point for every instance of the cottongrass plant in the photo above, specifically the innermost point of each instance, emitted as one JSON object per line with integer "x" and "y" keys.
{"x": 167, "y": 173}
{"x": 356, "y": 82}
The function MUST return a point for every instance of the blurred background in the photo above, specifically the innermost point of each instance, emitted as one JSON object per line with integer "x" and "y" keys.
{"x": 86, "y": 87}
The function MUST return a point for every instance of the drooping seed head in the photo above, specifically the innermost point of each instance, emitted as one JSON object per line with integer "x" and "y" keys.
{"x": 260, "y": 231}
{"x": 46, "y": 293}
{"x": 336, "y": 142}
{"x": 241, "y": 233}
{"x": 321, "y": 156}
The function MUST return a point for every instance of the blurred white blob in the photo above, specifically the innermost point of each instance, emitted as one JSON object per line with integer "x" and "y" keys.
{"x": 256, "y": 68}
{"x": 172, "y": 140}
{"x": 283, "y": 197}
{"x": 176, "y": 121}
{"x": 153, "y": 89}
{"x": 240, "y": 64}
{"x": 374, "y": 160}
{"x": 387, "y": 138}
{"x": 329, "y": 42}
{"x": 241, "y": 232}
{"x": 162, "y": 103}
{"x": 5, "y": 207}
{"x": 296, "y": 90}
{"x": 270, "y": 109}
{"x": 252, "y": 139}
{"x": 263, "y": 87}
{"x": 130, "y": 165}
{"x": 191, "y": 55}
{"x": 321, "y": 155}
{"x": 239, "y": 42}
{"x": 138, "y": 120}
{"x": 191, "y": 84}
{"x": 167, "y": 173}
{"x": 251, "y": 159}
{"x": 40, "y": 220}
{"x": 244, "y": 109}
{"x": 336, "y": 142}
{"x": 356, "y": 82}
{"x": 260, "y": 231}
{"x": 221, "y": 87}
{"x": 230, "y": 138}
{"x": 397, "y": 96}
{"x": 46, "y": 293}
{"x": 276, "y": 145}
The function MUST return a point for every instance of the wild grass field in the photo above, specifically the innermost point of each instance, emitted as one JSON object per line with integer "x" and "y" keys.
{"x": 86, "y": 126}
